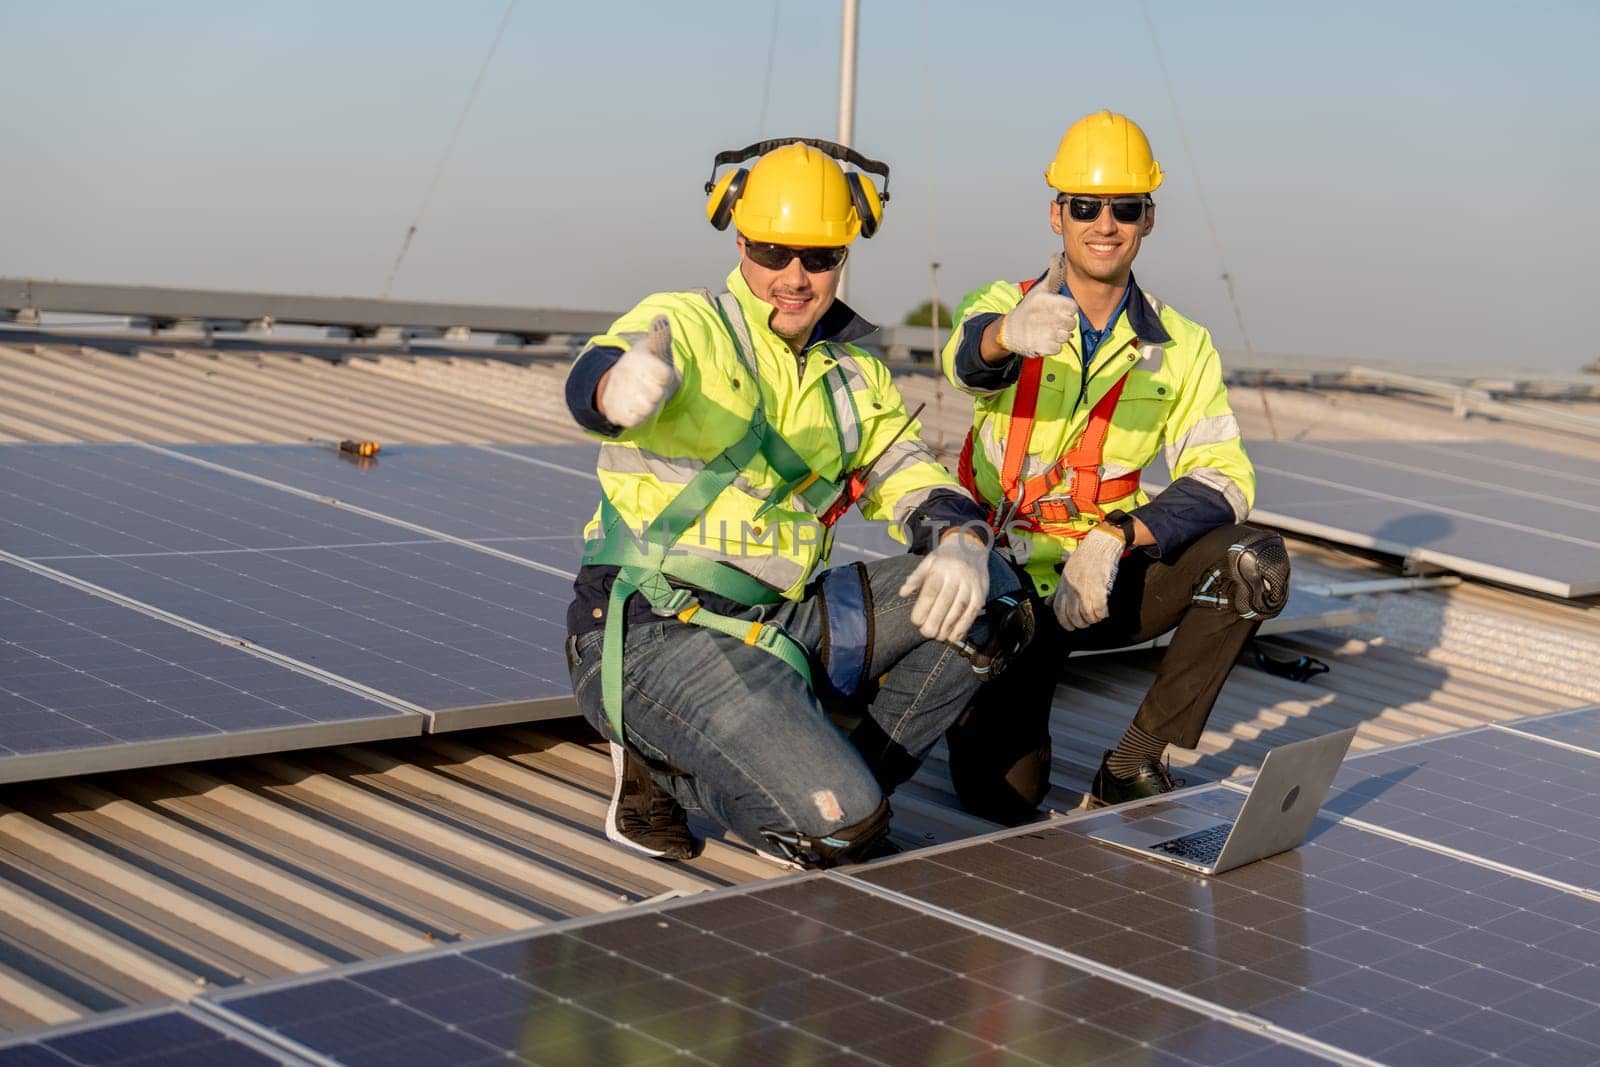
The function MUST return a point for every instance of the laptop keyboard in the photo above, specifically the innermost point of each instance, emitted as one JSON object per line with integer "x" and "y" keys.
{"x": 1202, "y": 846}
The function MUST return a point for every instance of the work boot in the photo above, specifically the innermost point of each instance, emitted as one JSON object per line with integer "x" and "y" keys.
{"x": 642, "y": 815}
{"x": 1152, "y": 780}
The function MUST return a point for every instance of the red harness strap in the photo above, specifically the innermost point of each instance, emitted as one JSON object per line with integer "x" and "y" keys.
{"x": 1085, "y": 492}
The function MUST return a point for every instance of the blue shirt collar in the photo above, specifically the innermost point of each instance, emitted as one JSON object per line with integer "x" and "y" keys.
{"x": 1141, "y": 316}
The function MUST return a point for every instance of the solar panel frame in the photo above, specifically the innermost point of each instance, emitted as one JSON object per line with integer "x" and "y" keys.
{"x": 1377, "y": 946}
{"x": 1409, "y": 511}
{"x": 158, "y": 1036}
{"x": 1577, "y": 728}
{"x": 462, "y": 490}
{"x": 88, "y": 685}
{"x": 480, "y": 613}
{"x": 1511, "y": 799}
{"x": 811, "y": 967}
{"x": 72, "y": 501}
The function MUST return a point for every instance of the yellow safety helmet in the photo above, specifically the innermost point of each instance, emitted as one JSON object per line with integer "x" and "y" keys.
{"x": 795, "y": 194}
{"x": 1104, "y": 153}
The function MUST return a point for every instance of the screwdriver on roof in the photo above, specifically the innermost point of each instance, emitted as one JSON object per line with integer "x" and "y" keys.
{"x": 354, "y": 448}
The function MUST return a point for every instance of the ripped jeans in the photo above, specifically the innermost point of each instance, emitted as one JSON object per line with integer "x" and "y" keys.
{"x": 750, "y": 743}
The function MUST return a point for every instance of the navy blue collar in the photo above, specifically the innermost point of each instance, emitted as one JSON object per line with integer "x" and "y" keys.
{"x": 840, "y": 323}
{"x": 1141, "y": 316}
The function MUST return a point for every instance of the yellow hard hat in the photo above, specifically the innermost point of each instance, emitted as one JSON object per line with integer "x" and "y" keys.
{"x": 1104, "y": 153}
{"x": 795, "y": 194}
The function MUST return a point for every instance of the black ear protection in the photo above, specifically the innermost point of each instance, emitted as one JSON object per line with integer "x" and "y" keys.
{"x": 866, "y": 198}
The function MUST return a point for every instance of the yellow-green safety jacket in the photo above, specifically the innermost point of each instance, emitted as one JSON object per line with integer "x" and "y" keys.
{"x": 842, "y": 413}
{"x": 1174, "y": 403}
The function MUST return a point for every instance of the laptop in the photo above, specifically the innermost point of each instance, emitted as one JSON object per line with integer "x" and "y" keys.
{"x": 1287, "y": 794}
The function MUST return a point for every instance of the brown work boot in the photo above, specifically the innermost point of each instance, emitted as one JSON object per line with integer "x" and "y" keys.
{"x": 643, "y": 816}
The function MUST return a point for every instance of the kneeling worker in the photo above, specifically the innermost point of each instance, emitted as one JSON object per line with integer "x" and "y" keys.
{"x": 1080, "y": 380}
{"x": 736, "y": 428}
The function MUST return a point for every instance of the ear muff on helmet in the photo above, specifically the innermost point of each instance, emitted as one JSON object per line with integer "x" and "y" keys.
{"x": 724, "y": 194}
{"x": 865, "y": 197}
{"x": 868, "y": 205}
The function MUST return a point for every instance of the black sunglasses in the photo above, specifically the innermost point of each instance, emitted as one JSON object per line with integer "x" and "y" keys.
{"x": 1124, "y": 209}
{"x": 777, "y": 257}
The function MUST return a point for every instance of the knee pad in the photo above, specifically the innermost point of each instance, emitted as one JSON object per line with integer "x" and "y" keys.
{"x": 1008, "y": 623}
{"x": 847, "y": 627}
{"x": 1252, "y": 580}
{"x": 857, "y": 843}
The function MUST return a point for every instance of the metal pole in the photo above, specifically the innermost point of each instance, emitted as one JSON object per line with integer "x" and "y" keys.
{"x": 847, "y": 73}
{"x": 847, "y": 87}
{"x": 938, "y": 368}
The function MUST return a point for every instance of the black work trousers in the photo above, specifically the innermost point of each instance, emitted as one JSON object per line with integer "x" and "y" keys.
{"x": 1000, "y": 748}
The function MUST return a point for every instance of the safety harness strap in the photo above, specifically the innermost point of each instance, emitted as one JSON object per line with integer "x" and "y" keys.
{"x": 798, "y": 477}
{"x": 1086, "y": 490}
{"x": 645, "y": 564}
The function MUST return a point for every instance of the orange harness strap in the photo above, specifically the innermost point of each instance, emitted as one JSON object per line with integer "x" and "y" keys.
{"x": 1086, "y": 491}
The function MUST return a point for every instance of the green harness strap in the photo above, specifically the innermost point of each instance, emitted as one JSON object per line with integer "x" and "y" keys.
{"x": 645, "y": 564}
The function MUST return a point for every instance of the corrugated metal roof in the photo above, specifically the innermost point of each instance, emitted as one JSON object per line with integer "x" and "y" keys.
{"x": 120, "y": 888}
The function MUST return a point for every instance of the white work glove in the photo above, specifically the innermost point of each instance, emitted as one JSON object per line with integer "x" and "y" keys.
{"x": 1043, "y": 322}
{"x": 1086, "y": 580}
{"x": 642, "y": 380}
{"x": 951, "y": 585}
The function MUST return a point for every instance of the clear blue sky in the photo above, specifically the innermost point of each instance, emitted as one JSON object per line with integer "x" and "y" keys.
{"x": 1392, "y": 180}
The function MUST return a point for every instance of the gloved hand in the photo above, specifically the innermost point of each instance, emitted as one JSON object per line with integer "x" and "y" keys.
{"x": 951, "y": 585}
{"x": 1043, "y": 322}
{"x": 1081, "y": 598}
{"x": 642, "y": 380}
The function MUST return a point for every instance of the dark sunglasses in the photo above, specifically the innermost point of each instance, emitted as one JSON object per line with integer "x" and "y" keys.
{"x": 777, "y": 257}
{"x": 1124, "y": 209}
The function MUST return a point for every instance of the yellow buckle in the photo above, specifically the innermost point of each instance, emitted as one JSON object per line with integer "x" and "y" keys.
{"x": 688, "y": 613}
{"x": 755, "y": 633}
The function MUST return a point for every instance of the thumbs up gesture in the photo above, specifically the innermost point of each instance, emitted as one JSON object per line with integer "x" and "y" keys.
{"x": 1042, "y": 324}
{"x": 640, "y": 381}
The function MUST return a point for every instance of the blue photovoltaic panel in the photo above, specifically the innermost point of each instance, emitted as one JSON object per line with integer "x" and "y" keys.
{"x": 1580, "y": 728}
{"x": 163, "y": 1037}
{"x": 89, "y": 685}
{"x": 806, "y": 972}
{"x": 460, "y": 490}
{"x": 1489, "y": 793}
{"x": 434, "y": 623}
{"x": 1377, "y": 947}
{"x": 1515, "y": 469}
{"x": 1531, "y": 528}
{"x": 570, "y": 457}
{"x": 61, "y": 501}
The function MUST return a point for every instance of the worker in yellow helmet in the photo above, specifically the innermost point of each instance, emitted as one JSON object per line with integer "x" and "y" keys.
{"x": 707, "y": 642}
{"x": 1080, "y": 380}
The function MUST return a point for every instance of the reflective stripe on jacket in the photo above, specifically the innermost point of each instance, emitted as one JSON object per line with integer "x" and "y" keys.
{"x": 839, "y": 416}
{"x": 1174, "y": 404}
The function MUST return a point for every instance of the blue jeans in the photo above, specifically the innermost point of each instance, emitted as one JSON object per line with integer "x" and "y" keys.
{"x": 751, "y": 743}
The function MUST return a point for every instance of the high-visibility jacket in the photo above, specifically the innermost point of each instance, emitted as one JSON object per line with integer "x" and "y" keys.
{"x": 842, "y": 414}
{"x": 1172, "y": 402}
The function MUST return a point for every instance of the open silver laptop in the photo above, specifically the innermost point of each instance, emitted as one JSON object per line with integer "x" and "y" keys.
{"x": 1286, "y": 796}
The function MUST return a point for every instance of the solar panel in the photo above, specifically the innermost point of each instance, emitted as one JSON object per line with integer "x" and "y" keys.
{"x": 1532, "y": 528}
{"x": 474, "y": 639}
{"x": 467, "y": 492}
{"x": 1580, "y": 728}
{"x": 89, "y": 685}
{"x": 1374, "y": 946}
{"x": 148, "y": 1037}
{"x": 807, "y": 971}
{"x": 1489, "y": 793}
{"x": 62, "y": 501}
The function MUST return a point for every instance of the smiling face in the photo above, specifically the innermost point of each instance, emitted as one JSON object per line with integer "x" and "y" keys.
{"x": 1102, "y": 250}
{"x": 799, "y": 298}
